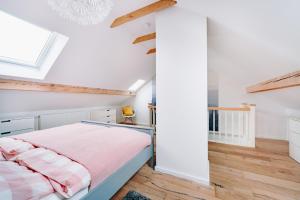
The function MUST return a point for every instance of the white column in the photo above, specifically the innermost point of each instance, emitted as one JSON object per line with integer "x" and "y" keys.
{"x": 181, "y": 75}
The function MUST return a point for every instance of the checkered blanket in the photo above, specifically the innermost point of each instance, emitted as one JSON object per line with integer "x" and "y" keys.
{"x": 10, "y": 147}
{"x": 66, "y": 177}
{"x": 34, "y": 173}
{"x": 19, "y": 183}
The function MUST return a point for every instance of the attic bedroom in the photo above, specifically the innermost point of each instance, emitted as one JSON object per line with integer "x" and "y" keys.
{"x": 149, "y": 100}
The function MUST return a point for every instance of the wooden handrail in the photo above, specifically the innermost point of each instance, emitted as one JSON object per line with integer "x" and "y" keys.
{"x": 245, "y": 109}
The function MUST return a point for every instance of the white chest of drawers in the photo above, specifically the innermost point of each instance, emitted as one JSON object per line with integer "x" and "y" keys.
{"x": 104, "y": 115}
{"x": 294, "y": 138}
{"x": 11, "y": 124}
{"x": 10, "y": 127}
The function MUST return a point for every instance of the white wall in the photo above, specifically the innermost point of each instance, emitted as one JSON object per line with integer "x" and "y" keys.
{"x": 181, "y": 80}
{"x": 140, "y": 104}
{"x": 25, "y": 101}
{"x": 271, "y": 117}
{"x": 213, "y": 97}
{"x": 293, "y": 113}
{"x": 213, "y": 87}
{"x": 249, "y": 42}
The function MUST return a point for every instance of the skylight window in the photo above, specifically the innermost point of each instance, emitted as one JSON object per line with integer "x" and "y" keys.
{"x": 22, "y": 42}
{"x": 136, "y": 85}
{"x": 27, "y": 50}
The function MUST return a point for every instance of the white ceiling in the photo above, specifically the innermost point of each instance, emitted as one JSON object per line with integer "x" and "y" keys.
{"x": 253, "y": 40}
{"x": 249, "y": 41}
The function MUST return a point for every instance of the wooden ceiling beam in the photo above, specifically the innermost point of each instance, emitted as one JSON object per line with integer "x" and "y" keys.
{"x": 151, "y": 51}
{"x": 6, "y": 84}
{"x": 159, "y": 5}
{"x": 285, "y": 81}
{"x": 144, "y": 38}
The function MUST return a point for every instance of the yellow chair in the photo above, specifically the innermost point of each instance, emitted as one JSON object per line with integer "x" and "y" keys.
{"x": 128, "y": 115}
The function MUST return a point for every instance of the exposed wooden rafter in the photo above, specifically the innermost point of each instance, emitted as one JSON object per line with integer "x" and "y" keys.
{"x": 285, "y": 81}
{"x": 151, "y": 51}
{"x": 159, "y": 5}
{"x": 6, "y": 84}
{"x": 144, "y": 38}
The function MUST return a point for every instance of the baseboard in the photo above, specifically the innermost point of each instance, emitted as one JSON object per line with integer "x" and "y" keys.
{"x": 272, "y": 138}
{"x": 199, "y": 180}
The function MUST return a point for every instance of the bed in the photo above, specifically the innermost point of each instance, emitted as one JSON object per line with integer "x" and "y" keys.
{"x": 108, "y": 154}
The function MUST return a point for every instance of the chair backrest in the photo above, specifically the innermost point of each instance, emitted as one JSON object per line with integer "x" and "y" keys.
{"x": 127, "y": 111}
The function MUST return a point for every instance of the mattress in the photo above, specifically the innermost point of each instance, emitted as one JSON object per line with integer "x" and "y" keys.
{"x": 56, "y": 196}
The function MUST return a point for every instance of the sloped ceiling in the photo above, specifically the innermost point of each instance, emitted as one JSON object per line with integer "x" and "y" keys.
{"x": 97, "y": 55}
{"x": 249, "y": 41}
{"x": 252, "y": 40}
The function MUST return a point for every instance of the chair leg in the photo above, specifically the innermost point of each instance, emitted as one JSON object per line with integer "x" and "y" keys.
{"x": 128, "y": 120}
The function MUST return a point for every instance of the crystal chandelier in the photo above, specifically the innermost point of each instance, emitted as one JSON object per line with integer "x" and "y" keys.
{"x": 84, "y": 12}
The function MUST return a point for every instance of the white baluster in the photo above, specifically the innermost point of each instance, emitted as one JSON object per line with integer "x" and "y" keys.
{"x": 239, "y": 127}
{"x": 214, "y": 126}
{"x": 244, "y": 124}
{"x": 232, "y": 126}
{"x": 246, "y": 136}
{"x": 221, "y": 115}
{"x": 226, "y": 132}
{"x": 154, "y": 116}
{"x": 208, "y": 124}
{"x": 252, "y": 126}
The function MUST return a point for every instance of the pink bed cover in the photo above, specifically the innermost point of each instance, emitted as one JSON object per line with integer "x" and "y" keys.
{"x": 101, "y": 150}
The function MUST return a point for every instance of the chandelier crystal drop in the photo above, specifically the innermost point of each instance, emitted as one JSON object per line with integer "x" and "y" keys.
{"x": 83, "y": 12}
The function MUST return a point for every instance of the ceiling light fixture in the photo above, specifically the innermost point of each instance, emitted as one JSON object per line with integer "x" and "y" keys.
{"x": 136, "y": 85}
{"x": 83, "y": 12}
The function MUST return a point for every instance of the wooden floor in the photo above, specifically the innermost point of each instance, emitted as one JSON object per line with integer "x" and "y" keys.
{"x": 159, "y": 186}
{"x": 265, "y": 172}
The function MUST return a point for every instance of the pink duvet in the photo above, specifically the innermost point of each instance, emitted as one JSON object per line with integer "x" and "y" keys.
{"x": 101, "y": 150}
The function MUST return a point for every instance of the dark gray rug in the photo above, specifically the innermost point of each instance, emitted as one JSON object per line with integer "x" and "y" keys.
{"x": 132, "y": 195}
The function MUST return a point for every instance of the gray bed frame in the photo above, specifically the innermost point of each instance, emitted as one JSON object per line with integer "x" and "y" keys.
{"x": 111, "y": 185}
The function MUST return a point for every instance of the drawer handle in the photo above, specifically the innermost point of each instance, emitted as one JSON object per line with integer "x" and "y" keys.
{"x": 107, "y": 116}
{"x": 5, "y": 133}
{"x": 107, "y": 110}
{"x": 5, "y": 121}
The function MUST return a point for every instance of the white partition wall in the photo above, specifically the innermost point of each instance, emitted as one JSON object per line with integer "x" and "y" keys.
{"x": 181, "y": 75}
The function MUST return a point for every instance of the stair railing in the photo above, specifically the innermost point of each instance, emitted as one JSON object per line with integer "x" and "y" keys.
{"x": 234, "y": 126}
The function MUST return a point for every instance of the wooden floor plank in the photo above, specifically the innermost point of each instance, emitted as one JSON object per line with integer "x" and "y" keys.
{"x": 264, "y": 172}
{"x": 158, "y": 186}
{"x": 234, "y": 180}
{"x": 236, "y": 173}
